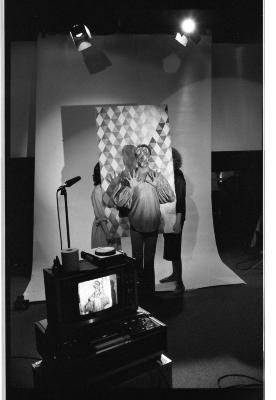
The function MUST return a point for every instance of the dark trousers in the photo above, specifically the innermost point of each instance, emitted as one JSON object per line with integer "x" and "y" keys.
{"x": 143, "y": 250}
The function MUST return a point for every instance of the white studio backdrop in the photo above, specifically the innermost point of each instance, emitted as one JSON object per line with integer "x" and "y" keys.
{"x": 145, "y": 69}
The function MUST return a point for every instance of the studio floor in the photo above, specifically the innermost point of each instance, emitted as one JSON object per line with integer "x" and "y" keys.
{"x": 215, "y": 334}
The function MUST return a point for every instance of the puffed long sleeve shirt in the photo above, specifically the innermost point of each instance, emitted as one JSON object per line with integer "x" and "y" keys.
{"x": 143, "y": 201}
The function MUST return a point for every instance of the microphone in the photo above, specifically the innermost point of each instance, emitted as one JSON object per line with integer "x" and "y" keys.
{"x": 70, "y": 182}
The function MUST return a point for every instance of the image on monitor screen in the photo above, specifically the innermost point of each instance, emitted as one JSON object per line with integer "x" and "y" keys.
{"x": 97, "y": 294}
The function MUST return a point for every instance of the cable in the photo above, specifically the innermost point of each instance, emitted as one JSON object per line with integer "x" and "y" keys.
{"x": 59, "y": 220}
{"x": 240, "y": 376}
{"x": 246, "y": 261}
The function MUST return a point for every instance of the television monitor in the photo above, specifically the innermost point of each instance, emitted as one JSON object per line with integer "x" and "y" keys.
{"x": 91, "y": 297}
{"x": 97, "y": 294}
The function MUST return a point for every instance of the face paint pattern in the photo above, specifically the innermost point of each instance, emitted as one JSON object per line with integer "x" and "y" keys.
{"x": 143, "y": 155}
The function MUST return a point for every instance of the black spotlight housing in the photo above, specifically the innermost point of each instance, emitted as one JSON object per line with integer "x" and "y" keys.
{"x": 194, "y": 37}
{"x": 81, "y": 36}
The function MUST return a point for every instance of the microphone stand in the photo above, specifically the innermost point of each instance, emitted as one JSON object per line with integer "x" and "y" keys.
{"x": 63, "y": 192}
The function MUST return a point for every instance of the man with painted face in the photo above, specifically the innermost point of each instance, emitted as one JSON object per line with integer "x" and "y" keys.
{"x": 141, "y": 193}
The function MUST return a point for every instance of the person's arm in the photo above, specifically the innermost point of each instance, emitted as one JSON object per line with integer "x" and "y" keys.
{"x": 113, "y": 182}
{"x": 163, "y": 188}
{"x": 180, "y": 190}
{"x": 122, "y": 196}
{"x": 177, "y": 224}
{"x": 100, "y": 216}
{"x": 103, "y": 224}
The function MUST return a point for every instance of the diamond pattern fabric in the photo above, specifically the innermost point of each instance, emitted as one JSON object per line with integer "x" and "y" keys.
{"x": 120, "y": 125}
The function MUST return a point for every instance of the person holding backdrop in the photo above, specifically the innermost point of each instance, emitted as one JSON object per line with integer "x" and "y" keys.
{"x": 172, "y": 241}
{"x": 141, "y": 193}
{"x": 101, "y": 236}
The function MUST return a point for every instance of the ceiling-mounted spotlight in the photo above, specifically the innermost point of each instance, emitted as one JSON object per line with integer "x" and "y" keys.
{"x": 189, "y": 31}
{"x": 188, "y": 26}
{"x": 81, "y": 36}
{"x": 182, "y": 39}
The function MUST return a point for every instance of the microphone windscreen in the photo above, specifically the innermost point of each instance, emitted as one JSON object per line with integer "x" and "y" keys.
{"x": 72, "y": 181}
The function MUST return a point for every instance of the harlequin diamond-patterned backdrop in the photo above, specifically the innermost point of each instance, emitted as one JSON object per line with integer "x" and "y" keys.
{"x": 120, "y": 125}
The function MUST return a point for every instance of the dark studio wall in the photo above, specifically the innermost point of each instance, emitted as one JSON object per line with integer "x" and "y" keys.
{"x": 237, "y": 198}
{"x": 236, "y": 145}
{"x": 237, "y": 113}
{"x": 19, "y": 201}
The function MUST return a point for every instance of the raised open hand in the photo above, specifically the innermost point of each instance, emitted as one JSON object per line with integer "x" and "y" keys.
{"x": 152, "y": 180}
{"x": 133, "y": 179}
{"x": 113, "y": 177}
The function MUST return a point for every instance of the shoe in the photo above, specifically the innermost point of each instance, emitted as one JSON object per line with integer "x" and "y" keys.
{"x": 170, "y": 278}
{"x": 179, "y": 289}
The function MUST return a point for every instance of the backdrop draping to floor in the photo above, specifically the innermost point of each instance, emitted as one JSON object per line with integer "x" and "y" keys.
{"x": 142, "y": 69}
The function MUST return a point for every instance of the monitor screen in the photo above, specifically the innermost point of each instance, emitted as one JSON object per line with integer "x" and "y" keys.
{"x": 97, "y": 294}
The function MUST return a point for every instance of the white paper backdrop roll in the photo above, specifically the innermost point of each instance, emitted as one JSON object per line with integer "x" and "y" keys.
{"x": 70, "y": 259}
{"x": 66, "y": 128}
